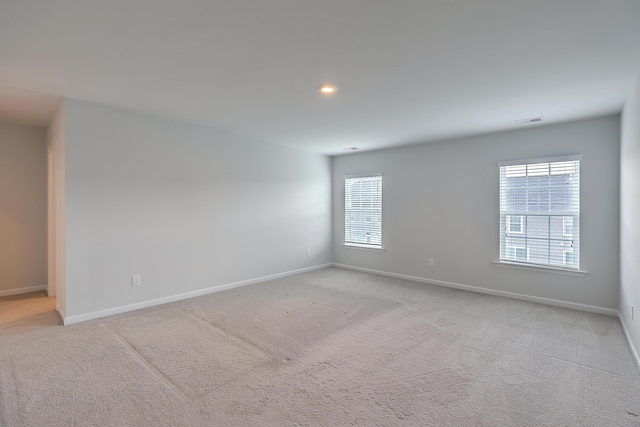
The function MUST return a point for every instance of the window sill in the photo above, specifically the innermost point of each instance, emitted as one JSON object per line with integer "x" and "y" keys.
{"x": 362, "y": 247}
{"x": 554, "y": 270}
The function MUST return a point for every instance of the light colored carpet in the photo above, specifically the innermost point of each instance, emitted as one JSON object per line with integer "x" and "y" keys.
{"x": 327, "y": 348}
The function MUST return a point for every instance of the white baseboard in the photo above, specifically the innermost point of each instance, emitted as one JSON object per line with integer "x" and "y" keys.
{"x": 18, "y": 291}
{"x": 506, "y": 294}
{"x": 164, "y": 300}
{"x": 634, "y": 351}
{"x": 61, "y": 314}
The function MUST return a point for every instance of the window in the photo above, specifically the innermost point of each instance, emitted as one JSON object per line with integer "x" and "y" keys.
{"x": 567, "y": 226}
{"x": 568, "y": 257}
{"x": 514, "y": 223}
{"x": 540, "y": 212}
{"x": 363, "y": 211}
{"x": 518, "y": 254}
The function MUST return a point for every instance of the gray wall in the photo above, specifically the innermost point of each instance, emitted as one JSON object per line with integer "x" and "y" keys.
{"x": 440, "y": 201}
{"x": 630, "y": 215}
{"x": 185, "y": 207}
{"x": 23, "y": 209}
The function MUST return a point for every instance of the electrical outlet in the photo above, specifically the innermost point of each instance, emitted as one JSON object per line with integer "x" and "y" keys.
{"x": 431, "y": 262}
{"x": 309, "y": 253}
{"x": 136, "y": 281}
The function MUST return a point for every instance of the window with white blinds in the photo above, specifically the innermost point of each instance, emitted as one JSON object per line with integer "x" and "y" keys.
{"x": 363, "y": 210}
{"x": 540, "y": 212}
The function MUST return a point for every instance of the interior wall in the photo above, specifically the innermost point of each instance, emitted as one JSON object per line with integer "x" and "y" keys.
{"x": 629, "y": 215}
{"x": 440, "y": 201}
{"x": 185, "y": 207}
{"x": 56, "y": 134}
{"x": 23, "y": 209}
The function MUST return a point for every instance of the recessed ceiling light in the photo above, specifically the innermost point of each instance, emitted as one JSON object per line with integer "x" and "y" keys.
{"x": 327, "y": 89}
{"x": 350, "y": 149}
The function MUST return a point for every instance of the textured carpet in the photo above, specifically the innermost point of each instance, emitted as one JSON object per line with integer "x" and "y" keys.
{"x": 328, "y": 348}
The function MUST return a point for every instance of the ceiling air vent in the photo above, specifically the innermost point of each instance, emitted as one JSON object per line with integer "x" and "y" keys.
{"x": 529, "y": 121}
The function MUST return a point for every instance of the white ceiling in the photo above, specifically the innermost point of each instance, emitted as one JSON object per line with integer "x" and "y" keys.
{"x": 407, "y": 71}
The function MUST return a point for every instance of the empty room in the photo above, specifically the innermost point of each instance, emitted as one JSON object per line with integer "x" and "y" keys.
{"x": 319, "y": 213}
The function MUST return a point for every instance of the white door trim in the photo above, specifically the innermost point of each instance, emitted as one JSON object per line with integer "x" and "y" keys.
{"x": 52, "y": 215}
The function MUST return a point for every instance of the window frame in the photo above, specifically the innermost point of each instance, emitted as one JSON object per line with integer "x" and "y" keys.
{"x": 504, "y": 221}
{"x": 359, "y": 245}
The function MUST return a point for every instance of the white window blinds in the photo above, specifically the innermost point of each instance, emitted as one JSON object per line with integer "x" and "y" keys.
{"x": 540, "y": 212}
{"x": 363, "y": 210}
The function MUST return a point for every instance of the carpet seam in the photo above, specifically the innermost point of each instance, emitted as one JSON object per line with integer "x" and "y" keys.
{"x": 226, "y": 333}
{"x": 139, "y": 357}
{"x": 581, "y": 365}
